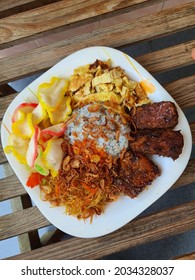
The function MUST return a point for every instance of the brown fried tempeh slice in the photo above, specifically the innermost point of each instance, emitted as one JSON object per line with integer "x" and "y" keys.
{"x": 135, "y": 172}
{"x": 162, "y": 142}
{"x": 156, "y": 115}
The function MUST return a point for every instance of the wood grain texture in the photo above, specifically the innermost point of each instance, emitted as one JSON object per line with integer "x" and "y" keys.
{"x": 10, "y": 4}
{"x": 10, "y": 188}
{"x": 11, "y": 7}
{"x": 192, "y": 127}
{"x": 21, "y": 222}
{"x": 3, "y": 158}
{"x": 153, "y": 227}
{"x": 183, "y": 91}
{"x": 7, "y": 5}
{"x": 30, "y": 240}
{"x": 188, "y": 175}
{"x": 42, "y": 58}
{"x": 23, "y": 239}
{"x": 190, "y": 256}
{"x": 47, "y": 18}
{"x": 168, "y": 58}
{"x": 5, "y": 102}
{"x": 7, "y": 170}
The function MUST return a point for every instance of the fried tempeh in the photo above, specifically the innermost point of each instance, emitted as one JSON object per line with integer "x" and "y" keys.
{"x": 135, "y": 172}
{"x": 162, "y": 142}
{"x": 156, "y": 115}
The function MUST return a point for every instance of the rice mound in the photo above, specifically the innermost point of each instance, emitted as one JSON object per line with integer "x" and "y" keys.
{"x": 103, "y": 126}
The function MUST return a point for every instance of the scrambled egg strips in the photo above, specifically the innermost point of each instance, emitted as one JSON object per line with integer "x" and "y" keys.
{"x": 100, "y": 82}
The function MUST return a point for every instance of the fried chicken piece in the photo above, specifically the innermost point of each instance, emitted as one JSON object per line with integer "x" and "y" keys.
{"x": 156, "y": 115}
{"x": 162, "y": 142}
{"x": 135, "y": 172}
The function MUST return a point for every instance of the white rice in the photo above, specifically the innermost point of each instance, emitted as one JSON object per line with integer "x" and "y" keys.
{"x": 103, "y": 119}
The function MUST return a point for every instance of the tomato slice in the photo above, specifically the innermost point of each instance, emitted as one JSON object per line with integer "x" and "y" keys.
{"x": 34, "y": 180}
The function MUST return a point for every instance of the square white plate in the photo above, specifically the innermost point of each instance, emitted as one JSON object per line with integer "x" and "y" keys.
{"x": 121, "y": 212}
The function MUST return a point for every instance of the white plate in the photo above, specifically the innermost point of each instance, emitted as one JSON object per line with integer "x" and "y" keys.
{"x": 119, "y": 213}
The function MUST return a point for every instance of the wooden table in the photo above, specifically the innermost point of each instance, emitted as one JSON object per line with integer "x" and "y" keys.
{"x": 24, "y": 20}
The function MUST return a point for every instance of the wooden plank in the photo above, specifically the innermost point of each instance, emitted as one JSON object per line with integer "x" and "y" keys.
{"x": 29, "y": 240}
{"x": 190, "y": 256}
{"x": 47, "y": 18}
{"x": 183, "y": 91}
{"x": 3, "y": 158}
{"x": 169, "y": 58}
{"x": 5, "y": 102}
{"x": 10, "y": 7}
{"x": 11, "y": 187}
{"x": 10, "y": 4}
{"x": 192, "y": 127}
{"x": 23, "y": 239}
{"x": 153, "y": 227}
{"x": 21, "y": 222}
{"x": 6, "y": 5}
{"x": 188, "y": 175}
{"x": 36, "y": 60}
{"x": 6, "y": 170}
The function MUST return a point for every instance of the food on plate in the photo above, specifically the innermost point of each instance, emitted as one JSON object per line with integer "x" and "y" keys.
{"x": 86, "y": 139}
{"x": 162, "y": 142}
{"x": 100, "y": 82}
{"x": 101, "y": 125}
{"x": 135, "y": 172}
{"x": 85, "y": 180}
{"x": 156, "y": 115}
